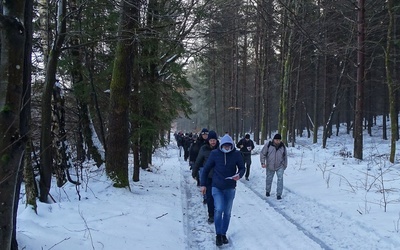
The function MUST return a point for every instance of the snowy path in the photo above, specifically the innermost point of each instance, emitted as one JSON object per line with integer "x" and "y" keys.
{"x": 245, "y": 231}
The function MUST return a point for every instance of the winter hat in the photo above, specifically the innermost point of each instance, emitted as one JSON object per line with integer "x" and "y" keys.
{"x": 204, "y": 131}
{"x": 212, "y": 135}
{"x": 278, "y": 136}
{"x": 247, "y": 136}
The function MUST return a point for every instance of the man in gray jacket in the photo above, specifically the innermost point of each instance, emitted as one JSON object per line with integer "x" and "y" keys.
{"x": 273, "y": 157}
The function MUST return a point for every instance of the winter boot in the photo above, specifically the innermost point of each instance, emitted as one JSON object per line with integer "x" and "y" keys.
{"x": 224, "y": 239}
{"x": 218, "y": 240}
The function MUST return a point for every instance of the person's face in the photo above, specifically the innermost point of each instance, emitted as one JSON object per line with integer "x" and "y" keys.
{"x": 277, "y": 141}
{"x": 227, "y": 146}
{"x": 204, "y": 135}
{"x": 212, "y": 142}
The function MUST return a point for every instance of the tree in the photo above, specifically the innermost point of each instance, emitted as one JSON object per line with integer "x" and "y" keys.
{"x": 358, "y": 119}
{"x": 118, "y": 120}
{"x": 46, "y": 159}
{"x": 390, "y": 83}
{"x": 12, "y": 37}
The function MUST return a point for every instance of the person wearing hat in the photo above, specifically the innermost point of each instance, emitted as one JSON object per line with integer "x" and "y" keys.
{"x": 204, "y": 152}
{"x": 203, "y": 134}
{"x": 273, "y": 158}
{"x": 246, "y": 145}
{"x": 228, "y": 167}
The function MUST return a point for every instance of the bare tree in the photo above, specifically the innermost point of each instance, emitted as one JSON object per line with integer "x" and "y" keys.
{"x": 358, "y": 119}
{"x": 390, "y": 83}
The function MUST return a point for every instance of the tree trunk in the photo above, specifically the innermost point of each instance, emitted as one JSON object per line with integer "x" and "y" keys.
{"x": 391, "y": 85}
{"x": 46, "y": 158}
{"x": 118, "y": 120}
{"x": 12, "y": 37}
{"x": 358, "y": 128}
{"x": 29, "y": 178}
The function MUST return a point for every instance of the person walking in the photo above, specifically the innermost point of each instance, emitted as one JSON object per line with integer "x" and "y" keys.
{"x": 246, "y": 145}
{"x": 204, "y": 152}
{"x": 273, "y": 157}
{"x": 228, "y": 167}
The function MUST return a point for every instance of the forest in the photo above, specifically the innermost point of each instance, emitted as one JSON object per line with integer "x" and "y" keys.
{"x": 100, "y": 80}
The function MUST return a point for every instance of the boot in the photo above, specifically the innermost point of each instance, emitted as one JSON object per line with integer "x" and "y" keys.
{"x": 218, "y": 240}
{"x": 224, "y": 239}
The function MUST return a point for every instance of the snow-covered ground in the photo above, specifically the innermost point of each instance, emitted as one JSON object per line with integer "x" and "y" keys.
{"x": 330, "y": 201}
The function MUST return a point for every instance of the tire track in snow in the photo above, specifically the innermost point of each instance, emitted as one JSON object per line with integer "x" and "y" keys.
{"x": 279, "y": 210}
{"x": 260, "y": 226}
{"x": 344, "y": 232}
{"x": 199, "y": 234}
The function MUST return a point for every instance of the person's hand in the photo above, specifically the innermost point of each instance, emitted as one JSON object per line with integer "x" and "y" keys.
{"x": 203, "y": 190}
{"x": 236, "y": 177}
{"x": 263, "y": 165}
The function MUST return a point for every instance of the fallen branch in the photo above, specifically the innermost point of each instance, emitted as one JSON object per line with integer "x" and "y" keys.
{"x": 161, "y": 216}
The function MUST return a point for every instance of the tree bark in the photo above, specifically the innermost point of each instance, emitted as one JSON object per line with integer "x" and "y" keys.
{"x": 391, "y": 85}
{"x": 118, "y": 120}
{"x": 46, "y": 159}
{"x": 358, "y": 128}
{"x": 12, "y": 36}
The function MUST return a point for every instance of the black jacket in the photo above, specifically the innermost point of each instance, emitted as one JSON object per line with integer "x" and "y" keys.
{"x": 245, "y": 145}
{"x": 202, "y": 158}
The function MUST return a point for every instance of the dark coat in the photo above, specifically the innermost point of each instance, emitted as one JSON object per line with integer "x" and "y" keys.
{"x": 224, "y": 165}
{"x": 202, "y": 157}
{"x": 244, "y": 146}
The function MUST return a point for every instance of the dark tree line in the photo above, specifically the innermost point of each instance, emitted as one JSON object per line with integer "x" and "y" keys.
{"x": 297, "y": 66}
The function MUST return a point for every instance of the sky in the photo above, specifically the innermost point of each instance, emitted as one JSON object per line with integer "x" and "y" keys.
{"x": 330, "y": 201}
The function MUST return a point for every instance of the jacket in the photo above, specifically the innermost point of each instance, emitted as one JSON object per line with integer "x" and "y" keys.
{"x": 274, "y": 156}
{"x": 224, "y": 164}
{"x": 246, "y": 144}
{"x": 201, "y": 159}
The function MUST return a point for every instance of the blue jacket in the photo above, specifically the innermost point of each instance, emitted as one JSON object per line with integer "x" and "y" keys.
{"x": 225, "y": 164}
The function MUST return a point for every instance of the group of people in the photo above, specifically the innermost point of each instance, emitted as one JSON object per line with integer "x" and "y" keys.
{"x": 218, "y": 165}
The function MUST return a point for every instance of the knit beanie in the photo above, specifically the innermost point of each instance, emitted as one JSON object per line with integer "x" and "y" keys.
{"x": 204, "y": 131}
{"x": 278, "y": 136}
{"x": 212, "y": 135}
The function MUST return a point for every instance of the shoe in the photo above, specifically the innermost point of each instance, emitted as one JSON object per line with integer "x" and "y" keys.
{"x": 224, "y": 239}
{"x": 247, "y": 178}
{"x": 210, "y": 219}
{"x": 218, "y": 240}
{"x": 278, "y": 197}
{"x": 267, "y": 194}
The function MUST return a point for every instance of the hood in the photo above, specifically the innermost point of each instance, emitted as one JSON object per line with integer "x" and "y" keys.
{"x": 226, "y": 139}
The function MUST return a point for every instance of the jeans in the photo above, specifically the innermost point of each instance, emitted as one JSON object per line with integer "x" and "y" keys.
{"x": 223, "y": 201}
{"x": 270, "y": 177}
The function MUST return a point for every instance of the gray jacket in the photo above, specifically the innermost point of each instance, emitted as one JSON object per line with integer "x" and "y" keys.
{"x": 274, "y": 156}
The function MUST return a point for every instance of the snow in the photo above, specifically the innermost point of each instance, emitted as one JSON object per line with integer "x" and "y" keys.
{"x": 330, "y": 201}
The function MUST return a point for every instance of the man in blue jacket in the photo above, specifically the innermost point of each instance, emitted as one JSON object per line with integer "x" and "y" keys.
{"x": 227, "y": 164}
